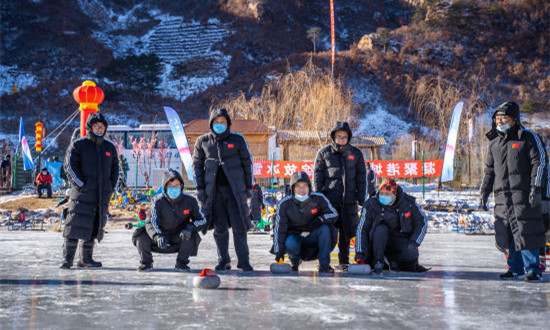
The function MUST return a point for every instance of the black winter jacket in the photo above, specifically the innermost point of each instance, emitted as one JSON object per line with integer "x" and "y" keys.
{"x": 340, "y": 171}
{"x": 231, "y": 151}
{"x": 169, "y": 217}
{"x": 92, "y": 167}
{"x": 516, "y": 162}
{"x": 412, "y": 222}
{"x": 256, "y": 203}
{"x": 294, "y": 218}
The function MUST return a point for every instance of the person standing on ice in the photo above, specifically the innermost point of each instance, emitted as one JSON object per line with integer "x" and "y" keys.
{"x": 514, "y": 169}
{"x": 223, "y": 171}
{"x": 304, "y": 225}
{"x": 92, "y": 166}
{"x": 392, "y": 225}
{"x": 256, "y": 203}
{"x": 174, "y": 218}
{"x": 340, "y": 174}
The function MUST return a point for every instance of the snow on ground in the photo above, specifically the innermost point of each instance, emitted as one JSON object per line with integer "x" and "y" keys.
{"x": 462, "y": 291}
{"x": 11, "y": 76}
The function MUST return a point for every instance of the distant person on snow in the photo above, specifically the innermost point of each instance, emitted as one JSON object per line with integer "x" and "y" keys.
{"x": 340, "y": 174}
{"x": 6, "y": 170}
{"x": 392, "y": 225}
{"x": 172, "y": 225}
{"x": 256, "y": 203}
{"x": 92, "y": 166}
{"x": 371, "y": 181}
{"x": 223, "y": 170}
{"x": 514, "y": 171}
{"x": 44, "y": 181}
{"x": 304, "y": 225}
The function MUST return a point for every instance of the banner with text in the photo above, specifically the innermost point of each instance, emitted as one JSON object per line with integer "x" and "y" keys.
{"x": 382, "y": 168}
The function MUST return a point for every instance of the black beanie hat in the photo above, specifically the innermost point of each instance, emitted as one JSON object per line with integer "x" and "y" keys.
{"x": 508, "y": 108}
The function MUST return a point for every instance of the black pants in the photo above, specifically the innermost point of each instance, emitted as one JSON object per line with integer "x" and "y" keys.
{"x": 346, "y": 223}
{"x": 225, "y": 213}
{"x": 46, "y": 186}
{"x": 396, "y": 248}
{"x": 146, "y": 245}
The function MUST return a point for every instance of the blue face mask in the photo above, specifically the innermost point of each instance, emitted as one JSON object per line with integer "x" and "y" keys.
{"x": 98, "y": 135}
{"x": 385, "y": 200}
{"x": 503, "y": 128}
{"x": 301, "y": 198}
{"x": 173, "y": 192}
{"x": 219, "y": 128}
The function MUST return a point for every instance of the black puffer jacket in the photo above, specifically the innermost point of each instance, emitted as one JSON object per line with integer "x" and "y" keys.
{"x": 256, "y": 203}
{"x": 295, "y": 217}
{"x": 92, "y": 167}
{"x": 169, "y": 217}
{"x": 231, "y": 151}
{"x": 412, "y": 222}
{"x": 340, "y": 171}
{"x": 516, "y": 162}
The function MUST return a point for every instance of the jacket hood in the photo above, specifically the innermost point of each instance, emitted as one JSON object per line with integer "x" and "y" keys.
{"x": 169, "y": 175}
{"x": 341, "y": 126}
{"x": 507, "y": 108}
{"x": 94, "y": 118}
{"x": 299, "y": 177}
{"x": 218, "y": 113}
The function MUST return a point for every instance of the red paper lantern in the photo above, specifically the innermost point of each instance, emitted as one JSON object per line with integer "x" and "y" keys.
{"x": 89, "y": 97}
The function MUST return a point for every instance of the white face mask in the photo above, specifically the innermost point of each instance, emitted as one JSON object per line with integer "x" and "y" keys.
{"x": 301, "y": 198}
{"x": 503, "y": 128}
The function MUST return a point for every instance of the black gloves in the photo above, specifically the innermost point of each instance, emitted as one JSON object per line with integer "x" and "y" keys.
{"x": 534, "y": 197}
{"x": 187, "y": 232}
{"x": 161, "y": 241}
{"x": 201, "y": 195}
{"x": 316, "y": 223}
{"x": 279, "y": 256}
{"x": 483, "y": 202}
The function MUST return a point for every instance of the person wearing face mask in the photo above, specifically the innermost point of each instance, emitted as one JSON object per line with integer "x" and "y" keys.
{"x": 44, "y": 181}
{"x": 172, "y": 225}
{"x": 91, "y": 164}
{"x": 392, "y": 225}
{"x": 514, "y": 172}
{"x": 304, "y": 225}
{"x": 223, "y": 171}
{"x": 340, "y": 174}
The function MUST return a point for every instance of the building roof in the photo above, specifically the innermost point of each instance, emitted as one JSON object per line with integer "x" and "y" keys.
{"x": 242, "y": 126}
{"x": 304, "y": 137}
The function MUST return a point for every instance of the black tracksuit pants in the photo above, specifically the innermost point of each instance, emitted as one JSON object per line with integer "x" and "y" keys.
{"x": 146, "y": 245}
{"x": 346, "y": 224}
{"x": 395, "y": 247}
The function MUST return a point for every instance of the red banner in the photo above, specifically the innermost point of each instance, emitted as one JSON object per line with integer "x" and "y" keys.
{"x": 382, "y": 168}
{"x": 332, "y": 37}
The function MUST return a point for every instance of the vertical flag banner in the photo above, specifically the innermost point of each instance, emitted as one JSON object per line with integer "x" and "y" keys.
{"x": 332, "y": 38}
{"x": 25, "y": 150}
{"x": 470, "y": 130}
{"x": 181, "y": 141}
{"x": 447, "y": 173}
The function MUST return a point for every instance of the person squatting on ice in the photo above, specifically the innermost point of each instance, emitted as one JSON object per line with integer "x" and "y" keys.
{"x": 340, "y": 174}
{"x": 514, "y": 172}
{"x": 172, "y": 225}
{"x": 223, "y": 171}
{"x": 92, "y": 165}
{"x": 304, "y": 225}
{"x": 392, "y": 225}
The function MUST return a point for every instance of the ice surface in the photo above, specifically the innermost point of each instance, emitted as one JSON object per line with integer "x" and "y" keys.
{"x": 460, "y": 292}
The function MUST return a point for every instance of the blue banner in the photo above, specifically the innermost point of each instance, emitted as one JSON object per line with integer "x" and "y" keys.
{"x": 181, "y": 141}
{"x": 447, "y": 173}
{"x": 55, "y": 171}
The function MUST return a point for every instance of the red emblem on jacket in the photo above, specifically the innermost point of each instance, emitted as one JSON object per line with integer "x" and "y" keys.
{"x": 407, "y": 215}
{"x": 107, "y": 153}
{"x": 515, "y": 145}
{"x": 351, "y": 157}
{"x": 185, "y": 211}
{"x": 313, "y": 211}
{"x": 230, "y": 146}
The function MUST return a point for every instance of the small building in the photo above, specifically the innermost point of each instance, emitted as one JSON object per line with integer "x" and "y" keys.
{"x": 299, "y": 145}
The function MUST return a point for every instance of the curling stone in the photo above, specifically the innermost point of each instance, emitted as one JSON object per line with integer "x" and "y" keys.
{"x": 206, "y": 280}
{"x": 129, "y": 226}
{"x": 359, "y": 269}
{"x": 280, "y": 267}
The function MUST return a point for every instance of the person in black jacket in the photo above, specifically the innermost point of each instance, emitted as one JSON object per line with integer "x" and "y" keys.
{"x": 514, "y": 170}
{"x": 92, "y": 167}
{"x": 223, "y": 173}
{"x": 340, "y": 174}
{"x": 392, "y": 225}
{"x": 174, "y": 218}
{"x": 256, "y": 203}
{"x": 304, "y": 225}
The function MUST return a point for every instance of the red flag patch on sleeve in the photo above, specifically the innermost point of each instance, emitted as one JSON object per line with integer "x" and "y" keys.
{"x": 407, "y": 215}
{"x": 515, "y": 145}
{"x": 231, "y": 146}
{"x": 351, "y": 157}
{"x": 107, "y": 153}
{"x": 185, "y": 211}
{"x": 313, "y": 211}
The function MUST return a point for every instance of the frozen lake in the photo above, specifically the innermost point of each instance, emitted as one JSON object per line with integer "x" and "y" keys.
{"x": 462, "y": 291}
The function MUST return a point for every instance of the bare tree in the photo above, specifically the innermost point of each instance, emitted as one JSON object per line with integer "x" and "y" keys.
{"x": 313, "y": 35}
